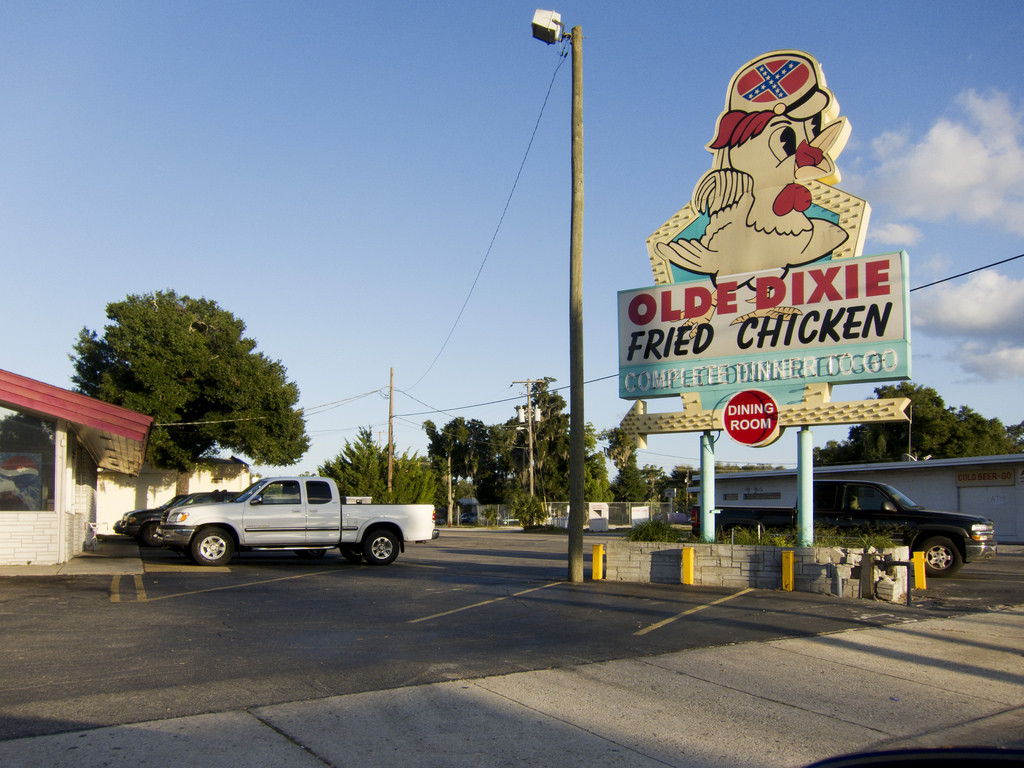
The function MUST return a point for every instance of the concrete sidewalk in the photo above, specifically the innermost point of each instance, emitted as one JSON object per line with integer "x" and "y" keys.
{"x": 936, "y": 682}
{"x": 116, "y": 556}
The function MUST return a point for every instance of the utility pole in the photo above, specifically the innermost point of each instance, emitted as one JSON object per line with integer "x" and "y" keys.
{"x": 391, "y": 430}
{"x": 577, "y": 425}
{"x": 451, "y": 501}
{"x": 548, "y": 28}
{"x": 529, "y": 420}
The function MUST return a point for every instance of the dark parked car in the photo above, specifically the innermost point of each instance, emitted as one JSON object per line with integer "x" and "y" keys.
{"x": 141, "y": 524}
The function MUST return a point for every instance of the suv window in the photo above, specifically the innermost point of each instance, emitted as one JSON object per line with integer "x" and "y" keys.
{"x": 825, "y": 496}
{"x": 865, "y": 497}
{"x": 318, "y": 492}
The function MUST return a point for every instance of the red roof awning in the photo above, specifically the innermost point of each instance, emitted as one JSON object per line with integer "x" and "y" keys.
{"x": 116, "y": 437}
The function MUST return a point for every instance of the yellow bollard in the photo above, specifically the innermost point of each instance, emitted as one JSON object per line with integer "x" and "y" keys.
{"x": 787, "y": 571}
{"x": 920, "y": 582}
{"x": 598, "y": 564}
{"x": 688, "y": 559}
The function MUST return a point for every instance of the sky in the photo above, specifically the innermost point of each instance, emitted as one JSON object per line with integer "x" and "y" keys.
{"x": 387, "y": 185}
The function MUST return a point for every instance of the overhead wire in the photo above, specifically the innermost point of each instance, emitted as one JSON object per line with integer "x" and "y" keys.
{"x": 494, "y": 237}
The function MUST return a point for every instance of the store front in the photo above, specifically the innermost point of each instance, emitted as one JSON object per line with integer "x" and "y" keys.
{"x": 52, "y": 441}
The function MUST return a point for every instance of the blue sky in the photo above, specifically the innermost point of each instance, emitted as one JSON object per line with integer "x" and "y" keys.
{"x": 335, "y": 173}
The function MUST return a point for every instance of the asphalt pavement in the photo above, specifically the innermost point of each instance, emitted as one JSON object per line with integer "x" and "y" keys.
{"x": 955, "y": 681}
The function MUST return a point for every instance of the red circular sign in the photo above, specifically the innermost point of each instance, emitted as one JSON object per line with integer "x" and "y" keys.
{"x": 752, "y": 417}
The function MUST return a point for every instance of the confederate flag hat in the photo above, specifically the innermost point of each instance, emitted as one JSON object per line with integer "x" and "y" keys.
{"x": 785, "y": 82}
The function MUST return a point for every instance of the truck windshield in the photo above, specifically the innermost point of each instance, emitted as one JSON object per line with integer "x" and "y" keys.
{"x": 901, "y": 497}
{"x": 250, "y": 491}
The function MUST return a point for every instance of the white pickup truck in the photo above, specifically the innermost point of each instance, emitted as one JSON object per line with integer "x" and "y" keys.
{"x": 304, "y": 514}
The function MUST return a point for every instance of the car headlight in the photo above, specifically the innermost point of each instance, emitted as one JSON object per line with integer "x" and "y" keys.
{"x": 982, "y": 531}
{"x": 130, "y": 519}
{"x": 177, "y": 517}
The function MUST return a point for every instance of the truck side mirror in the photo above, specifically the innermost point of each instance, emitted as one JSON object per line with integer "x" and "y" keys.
{"x": 256, "y": 500}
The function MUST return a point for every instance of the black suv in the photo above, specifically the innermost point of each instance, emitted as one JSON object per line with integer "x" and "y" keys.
{"x": 141, "y": 524}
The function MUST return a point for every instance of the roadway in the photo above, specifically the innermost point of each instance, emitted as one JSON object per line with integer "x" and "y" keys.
{"x": 168, "y": 642}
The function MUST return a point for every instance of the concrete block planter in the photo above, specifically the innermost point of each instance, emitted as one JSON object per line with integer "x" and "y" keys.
{"x": 824, "y": 570}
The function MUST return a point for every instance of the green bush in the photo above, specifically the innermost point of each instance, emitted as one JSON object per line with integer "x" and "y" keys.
{"x": 528, "y": 510}
{"x": 824, "y": 536}
{"x": 655, "y": 530}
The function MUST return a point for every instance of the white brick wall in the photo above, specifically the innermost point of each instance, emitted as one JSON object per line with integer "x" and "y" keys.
{"x": 28, "y": 538}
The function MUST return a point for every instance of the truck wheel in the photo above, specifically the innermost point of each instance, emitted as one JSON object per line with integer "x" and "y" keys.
{"x": 941, "y": 557}
{"x": 310, "y": 554}
{"x": 212, "y": 546}
{"x": 380, "y": 547}
{"x": 351, "y": 552}
{"x": 147, "y": 536}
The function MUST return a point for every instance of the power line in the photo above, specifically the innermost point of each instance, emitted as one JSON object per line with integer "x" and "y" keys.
{"x": 319, "y": 409}
{"x": 494, "y": 237}
{"x": 968, "y": 272}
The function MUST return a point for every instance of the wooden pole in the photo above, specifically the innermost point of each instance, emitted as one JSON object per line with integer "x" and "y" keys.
{"x": 577, "y": 425}
{"x": 391, "y": 432}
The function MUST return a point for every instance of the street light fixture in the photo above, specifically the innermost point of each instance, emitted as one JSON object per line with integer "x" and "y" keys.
{"x": 548, "y": 27}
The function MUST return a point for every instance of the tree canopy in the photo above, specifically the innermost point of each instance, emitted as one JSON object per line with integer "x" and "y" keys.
{"x": 491, "y": 462}
{"x": 935, "y": 431}
{"x": 361, "y": 469}
{"x": 187, "y": 363}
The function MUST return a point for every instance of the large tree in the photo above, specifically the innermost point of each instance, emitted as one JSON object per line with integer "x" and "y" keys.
{"x": 361, "y": 469}
{"x": 187, "y": 363}
{"x": 492, "y": 462}
{"x": 935, "y": 431}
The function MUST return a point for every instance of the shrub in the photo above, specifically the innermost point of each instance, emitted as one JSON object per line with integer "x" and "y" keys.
{"x": 528, "y": 510}
{"x": 654, "y": 530}
{"x": 824, "y": 536}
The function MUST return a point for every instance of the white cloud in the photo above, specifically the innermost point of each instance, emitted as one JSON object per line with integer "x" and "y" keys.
{"x": 968, "y": 167}
{"x": 980, "y": 320}
{"x": 901, "y": 235}
{"x": 991, "y": 364}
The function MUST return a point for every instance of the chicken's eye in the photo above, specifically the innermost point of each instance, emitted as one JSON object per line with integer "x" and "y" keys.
{"x": 815, "y": 125}
{"x": 783, "y": 143}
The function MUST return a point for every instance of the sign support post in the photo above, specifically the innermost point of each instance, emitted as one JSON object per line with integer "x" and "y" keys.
{"x": 707, "y": 487}
{"x": 805, "y": 492}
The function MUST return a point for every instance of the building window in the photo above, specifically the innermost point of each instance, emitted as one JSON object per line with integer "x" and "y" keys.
{"x": 26, "y": 462}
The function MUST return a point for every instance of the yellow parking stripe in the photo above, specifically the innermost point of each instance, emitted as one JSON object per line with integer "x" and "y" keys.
{"x": 140, "y": 590}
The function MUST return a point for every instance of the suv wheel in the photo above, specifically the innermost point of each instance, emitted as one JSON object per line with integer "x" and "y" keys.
{"x": 941, "y": 557}
{"x": 147, "y": 536}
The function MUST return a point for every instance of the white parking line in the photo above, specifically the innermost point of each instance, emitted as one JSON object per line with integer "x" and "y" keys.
{"x": 482, "y": 602}
{"x": 669, "y": 620}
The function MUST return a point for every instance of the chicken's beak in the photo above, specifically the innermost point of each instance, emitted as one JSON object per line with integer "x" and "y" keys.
{"x": 830, "y": 143}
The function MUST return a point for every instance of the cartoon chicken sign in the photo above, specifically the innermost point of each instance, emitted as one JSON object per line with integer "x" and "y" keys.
{"x": 761, "y": 288}
{"x": 767, "y": 204}
{"x": 760, "y": 279}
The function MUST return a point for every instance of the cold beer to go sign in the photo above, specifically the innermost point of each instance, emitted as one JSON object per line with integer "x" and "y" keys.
{"x": 752, "y": 417}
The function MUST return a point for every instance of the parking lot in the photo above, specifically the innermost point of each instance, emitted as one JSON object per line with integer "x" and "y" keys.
{"x": 173, "y": 639}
